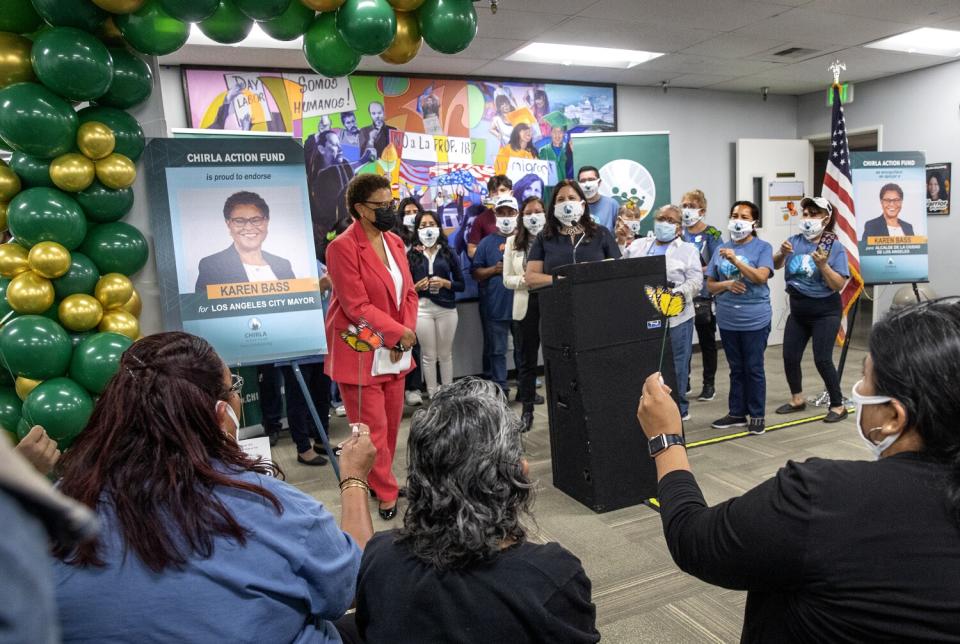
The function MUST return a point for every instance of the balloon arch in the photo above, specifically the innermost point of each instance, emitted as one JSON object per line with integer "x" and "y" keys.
{"x": 68, "y": 308}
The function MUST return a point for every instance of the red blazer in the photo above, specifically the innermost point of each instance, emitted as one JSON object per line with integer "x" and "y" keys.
{"x": 363, "y": 289}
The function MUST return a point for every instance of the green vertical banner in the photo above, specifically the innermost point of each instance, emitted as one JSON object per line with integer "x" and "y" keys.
{"x": 634, "y": 167}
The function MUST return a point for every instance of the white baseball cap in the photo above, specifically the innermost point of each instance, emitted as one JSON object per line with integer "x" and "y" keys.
{"x": 817, "y": 202}
{"x": 507, "y": 202}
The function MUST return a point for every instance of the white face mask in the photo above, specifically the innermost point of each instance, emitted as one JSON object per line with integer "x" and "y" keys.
{"x": 409, "y": 220}
{"x": 664, "y": 231}
{"x": 568, "y": 212}
{"x": 740, "y": 229}
{"x": 506, "y": 225}
{"x": 534, "y": 222}
{"x": 429, "y": 236}
{"x": 590, "y": 188}
{"x": 811, "y": 227}
{"x": 232, "y": 414}
{"x": 860, "y": 401}
{"x": 691, "y": 217}
{"x": 633, "y": 225}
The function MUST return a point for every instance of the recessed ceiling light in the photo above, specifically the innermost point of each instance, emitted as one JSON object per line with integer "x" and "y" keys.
{"x": 256, "y": 38}
{"x": 543, "y": 52}
{"x": 927, "y": 40}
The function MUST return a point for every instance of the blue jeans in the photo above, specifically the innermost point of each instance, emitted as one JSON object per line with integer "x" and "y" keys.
{"x": 681, "y": 340}
{"x": 495, "y": 333}
{"x": 748, "y": 382}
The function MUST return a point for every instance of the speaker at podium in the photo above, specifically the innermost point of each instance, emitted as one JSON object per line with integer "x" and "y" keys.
{"x": 601, "y": 339}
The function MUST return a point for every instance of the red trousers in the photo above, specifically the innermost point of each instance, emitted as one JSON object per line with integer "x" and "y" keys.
{"x": 382, "y": 411}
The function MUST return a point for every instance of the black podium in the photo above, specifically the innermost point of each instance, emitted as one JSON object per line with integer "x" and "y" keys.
{"x": 601, "y": 339}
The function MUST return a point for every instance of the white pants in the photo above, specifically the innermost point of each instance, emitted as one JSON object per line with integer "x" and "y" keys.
{"x": 436, "y": 327}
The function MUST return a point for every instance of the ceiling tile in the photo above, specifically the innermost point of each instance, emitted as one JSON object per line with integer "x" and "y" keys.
{"x": 624, "y": 34}
{"x": 819, "y": 26}
{"x": 480, "y": 48}
{"x": 555, "y": 7}
{"x": 734, "y": 46}
{"x": 715, "y": 15}
{"x": 696, "y": 81}
{"x": 686, "y": 64}
{"x": 523, "y": 25}
{"x": 918, "y": 12}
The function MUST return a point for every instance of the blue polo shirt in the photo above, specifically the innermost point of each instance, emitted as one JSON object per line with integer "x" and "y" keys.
{"x": 605, "y": 211}
{"x": 496, "y": 301}
{"x": 707, "y": 242}
{"x": 802, "y": 273}
{"x": 748, "y": 311}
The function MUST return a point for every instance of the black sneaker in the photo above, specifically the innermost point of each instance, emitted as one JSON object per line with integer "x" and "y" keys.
{"x": 756, "y": 426}
{"x": 274, "y": 438}
{"x": 729, "y": 421}
{"x": 707, "y": 394}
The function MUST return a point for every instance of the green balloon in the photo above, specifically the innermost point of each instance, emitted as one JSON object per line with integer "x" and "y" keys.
{"x": 18, "y": 16}
{"x": 367, "y": 26}
{"x": 291, "y": 24}
{"x": 132, "y": 81}
{"x": 4, "y": 305}
{"x": 448, "y": 26}
{"x": 61, "y": 406}
{"x": 33, "y": 172}
{"x": 76, "y": 337}
{"x": 35, "y": 121}
{"x": 325, "y": 50}
{"x": 126, "y": 129}
{"x": 81, "y": 14}
{"x": 263, "y": 9}
{"x": 46, "y": 214}
{"x": 102, "y": 204}
{"x": 23, "y": 427}
{"x": 96, "y": 360}
{"x": 6, "y": 378}
{"x": 116, "y": 248}
{"x": 35, "y": 347}
{"x": 81, "y": 277}
{"x": 152, "y": 31}
{"x": 228, "y": 25}
{"x": 10, "y": 409}
{"x": 190, "y": 10}
{"x": 72, "y": 63}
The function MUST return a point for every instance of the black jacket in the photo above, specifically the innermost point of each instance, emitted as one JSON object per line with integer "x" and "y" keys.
{"x": 226, "y": 267}
{"x": 878, "y": 228}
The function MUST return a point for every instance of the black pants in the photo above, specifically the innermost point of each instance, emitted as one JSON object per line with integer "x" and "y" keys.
{"x": 302, "y": 427}
{"x": 707, "y": 338}
{"x": 271, "y": 399}
{"x": 415, "y": 378}
{"x": 817, "y": 318}
{"x": 526, "y": 340}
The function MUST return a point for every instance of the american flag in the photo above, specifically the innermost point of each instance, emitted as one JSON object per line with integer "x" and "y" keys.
{"x": 838, "y": 190}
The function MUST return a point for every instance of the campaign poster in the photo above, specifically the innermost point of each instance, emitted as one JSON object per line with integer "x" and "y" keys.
{"x": 234, "y": 246}
{"x": 889, "y": 194}
{"x": 938, "y": 189}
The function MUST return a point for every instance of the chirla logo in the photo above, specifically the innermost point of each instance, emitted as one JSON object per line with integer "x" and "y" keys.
{"x": 255, "y": 324}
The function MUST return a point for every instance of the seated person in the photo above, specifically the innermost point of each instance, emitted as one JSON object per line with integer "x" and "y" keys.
{"x": 199, "y": 542}
{"x": 840, "y": 551}
{"x": 461, "y": 568}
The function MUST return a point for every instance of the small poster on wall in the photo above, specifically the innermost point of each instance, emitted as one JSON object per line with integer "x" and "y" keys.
{"x": 938, "y": 188}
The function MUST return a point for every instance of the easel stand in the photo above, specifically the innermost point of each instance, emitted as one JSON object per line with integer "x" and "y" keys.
{"x": 295, "y": 366}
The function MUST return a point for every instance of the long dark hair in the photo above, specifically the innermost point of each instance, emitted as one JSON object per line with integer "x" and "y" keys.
{"x": 832, "y": 213}
{"x": 408, "y": 237}
{"x": 916, "y": 360}
{"x": 515, "y": 137}
{"x": 754, "y": 212}
{"x": 415, "y": 256}
{"x": 552, "y": 227}
{"x": 466, "y": 485}
{"x": 154, "y": 453}
{"x": 522, "y": 239}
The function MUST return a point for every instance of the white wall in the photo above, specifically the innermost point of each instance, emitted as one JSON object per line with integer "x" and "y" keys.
{"x": 917, "y": 111}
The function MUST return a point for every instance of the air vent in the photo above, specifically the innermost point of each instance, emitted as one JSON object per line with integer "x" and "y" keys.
{"x": 794, "y": 52}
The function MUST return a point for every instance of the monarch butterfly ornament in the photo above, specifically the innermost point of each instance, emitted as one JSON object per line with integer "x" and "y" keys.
{"x": 669, "y": 304}
{"x": 362, "y": 338}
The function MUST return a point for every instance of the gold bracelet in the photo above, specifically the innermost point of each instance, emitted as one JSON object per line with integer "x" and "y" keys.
{"x": 353, "y": 478}
{"x": 354, "y": 483}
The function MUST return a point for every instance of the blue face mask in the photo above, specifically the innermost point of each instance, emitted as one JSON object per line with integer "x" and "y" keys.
{"x": 664, "y": 231}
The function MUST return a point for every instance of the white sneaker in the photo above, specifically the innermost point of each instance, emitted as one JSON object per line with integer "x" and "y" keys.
{"x": 539, "y": 382}
{"x": 340, "y": 411}
{"x": 686, "y": 416}
{"x": 413, "y": 398}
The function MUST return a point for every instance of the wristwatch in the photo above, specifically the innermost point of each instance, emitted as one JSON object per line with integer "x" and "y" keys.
{"x": 661, "y": 442}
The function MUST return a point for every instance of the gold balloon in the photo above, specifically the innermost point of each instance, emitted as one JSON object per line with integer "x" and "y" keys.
{"x": 120, "y": 322}
{"x": 407, "y": 42}
{"x": 9, "y": 182}
{"x": 405, "y": 5}
{"x": 80, "y": 312}
{"x": 134, "y": 305}
{"x": 13, "y": 260}
{"x": 113, "y": 290}
{"x": 72, "y": 172}
{"x": 23, "y": 386}
{"x": 119, "y": 6}
{"x": 15, "y": 66}
{"x": 323, "y": 5}
{"x": 30, "y": 294}
{"x": 116, "y": 171}
{"x": 3, "y": 217}
{"x": 95, "y": 140}
{"x": 49, "y": 259}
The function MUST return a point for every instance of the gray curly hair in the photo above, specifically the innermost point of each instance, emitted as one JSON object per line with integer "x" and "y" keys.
{"x": 466, "y": 485}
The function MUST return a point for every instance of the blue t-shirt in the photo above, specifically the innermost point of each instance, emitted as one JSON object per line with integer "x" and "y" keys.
{"x": 801, "y": 271}
{"x": 294, "y": 565}
{"x": 748, "y": 311}
{"x": 605, "y": 211}
{"x": 496, "y": 300}
{"x": 707, "y": 242}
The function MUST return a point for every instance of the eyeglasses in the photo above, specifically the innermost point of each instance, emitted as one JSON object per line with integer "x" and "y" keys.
{"x": 236, "y": 384}
{"x": 381, "y": 204}
{"x": 891, "y": 202}
{"x": 253, "y": 222}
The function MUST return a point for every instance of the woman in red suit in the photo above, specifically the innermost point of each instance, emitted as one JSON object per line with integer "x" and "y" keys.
{"x": 372, "y": 284}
